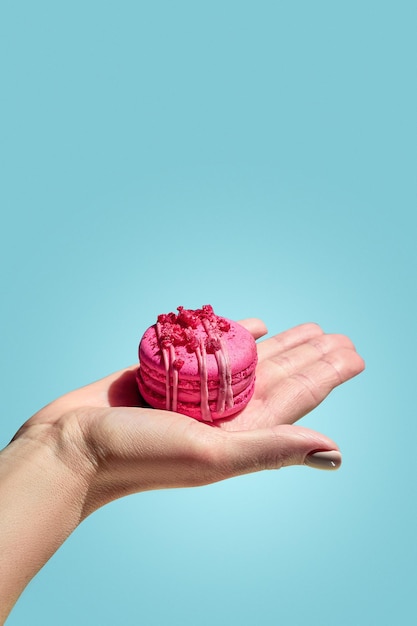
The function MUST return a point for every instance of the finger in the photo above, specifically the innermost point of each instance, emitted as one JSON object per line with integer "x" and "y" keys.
{"x": 288, "y": 339}
{"x": 290, "y": 361}
{"x": 298, "y": 394}
{"x": 279, "y": 447}
{"x": 255, "y": 326}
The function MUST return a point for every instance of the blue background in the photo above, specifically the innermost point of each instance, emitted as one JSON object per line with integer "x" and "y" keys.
{"x": 260, "y": 157}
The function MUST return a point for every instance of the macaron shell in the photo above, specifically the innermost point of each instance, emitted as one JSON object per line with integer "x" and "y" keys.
{"x": 239, "y": 343}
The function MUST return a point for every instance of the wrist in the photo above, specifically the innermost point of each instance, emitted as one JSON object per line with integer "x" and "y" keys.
{"x": 44, "y": 482}
{"x": 57, "y": 447}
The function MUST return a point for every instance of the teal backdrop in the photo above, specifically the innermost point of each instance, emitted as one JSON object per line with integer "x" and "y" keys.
{"x": 261, "y": 157}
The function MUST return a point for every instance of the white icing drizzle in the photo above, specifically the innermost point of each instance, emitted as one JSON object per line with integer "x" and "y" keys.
{"x": 221, "y": 395}
{"x": 202, "y": 367}
{"x": 225, "y": 392}
{"x": 174, "y": 373}
{"x": 165, "y": 354}
{"x": 229, "y": 388}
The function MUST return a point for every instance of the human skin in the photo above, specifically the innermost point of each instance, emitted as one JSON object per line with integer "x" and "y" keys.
{"x": 98, "y": 443}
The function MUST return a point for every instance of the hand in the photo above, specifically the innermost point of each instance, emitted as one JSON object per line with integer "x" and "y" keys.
{"x": 124, "y": 447}
{"x": 100, "y": 442}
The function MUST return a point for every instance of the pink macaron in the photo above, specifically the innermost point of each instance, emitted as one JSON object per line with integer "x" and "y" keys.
{"x": 197, "y": 363}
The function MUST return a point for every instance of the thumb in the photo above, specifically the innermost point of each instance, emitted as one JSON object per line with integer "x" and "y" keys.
{"x": 280, "y": 446}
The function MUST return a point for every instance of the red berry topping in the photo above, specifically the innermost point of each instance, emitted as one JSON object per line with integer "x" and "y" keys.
{"x": 178, "y": 329}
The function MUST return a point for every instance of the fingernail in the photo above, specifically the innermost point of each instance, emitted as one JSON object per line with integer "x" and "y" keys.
{"x": 325, "y": 460}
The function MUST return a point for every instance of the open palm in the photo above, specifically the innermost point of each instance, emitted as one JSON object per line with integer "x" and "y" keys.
{"x": 297, "y": 369}
{"x": 134, "y": 448}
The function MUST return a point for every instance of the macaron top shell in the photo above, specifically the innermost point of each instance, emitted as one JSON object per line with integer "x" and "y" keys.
{"x": 197, "y": 363}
